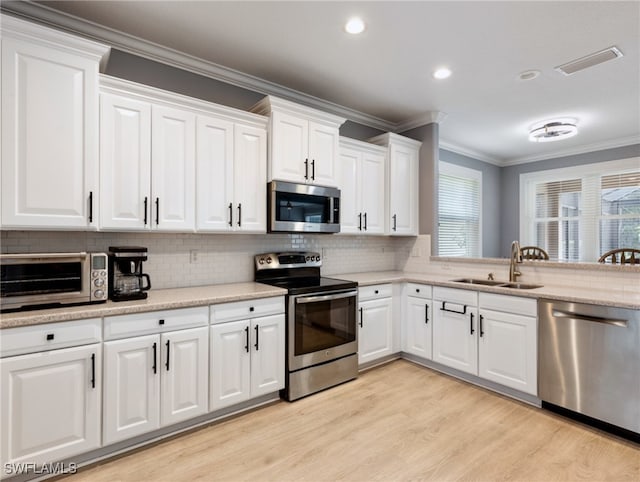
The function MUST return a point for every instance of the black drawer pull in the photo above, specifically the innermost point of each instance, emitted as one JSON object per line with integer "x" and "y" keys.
{"x": 376, "y": 292}
{"x": 49, "y": 336}
{"x": 161, "y": 322}
{"x": 463, "y": 312}
{"x": 417, "y": 290}
{"x": 251, "y": 308}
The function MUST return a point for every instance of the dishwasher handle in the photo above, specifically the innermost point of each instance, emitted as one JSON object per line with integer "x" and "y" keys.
{"x": 567, "y": 315}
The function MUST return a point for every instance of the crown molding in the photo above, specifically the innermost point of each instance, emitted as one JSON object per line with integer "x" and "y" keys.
{"x": 465, "y": 151}
{"x": 429, "y": 117}
{"x": 156, "y": 52}
{"x": 597, "y": 146}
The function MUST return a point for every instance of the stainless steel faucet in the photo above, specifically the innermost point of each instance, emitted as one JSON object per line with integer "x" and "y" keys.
{"x": 516, "y": 257}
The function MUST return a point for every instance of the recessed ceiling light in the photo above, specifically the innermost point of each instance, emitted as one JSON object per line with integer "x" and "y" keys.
{"x": 528, "y": 74}
{"x": 354, "y": 26}
{"x": 554, "y": 130}
{"x": 442, "y": 73}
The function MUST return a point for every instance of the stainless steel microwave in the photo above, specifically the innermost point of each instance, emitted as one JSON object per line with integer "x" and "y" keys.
{"x": 44, "y": 280}
{"x": 302, "y": 208}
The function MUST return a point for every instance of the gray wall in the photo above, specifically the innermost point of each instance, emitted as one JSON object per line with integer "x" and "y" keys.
{"x": 491, "y": 188}
{"x": 510, "y": 192}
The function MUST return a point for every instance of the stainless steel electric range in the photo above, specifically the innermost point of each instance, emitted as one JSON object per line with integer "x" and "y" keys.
{"x": 322, "y": 342}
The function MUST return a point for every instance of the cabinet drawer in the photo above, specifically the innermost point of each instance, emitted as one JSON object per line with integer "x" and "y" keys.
{"x": 242, "y": 310}
{"x": 124, "y": 326}
{"x": 453, "y": 295}
{"x": 50, "y": 336}
{"x": 419, "y": 290}
{"x": 374, "y": 292}
{"x": 508, "y": 304}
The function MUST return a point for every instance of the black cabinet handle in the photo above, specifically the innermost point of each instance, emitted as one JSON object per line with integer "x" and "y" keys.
{"x": 146, "y": 206}
{"x": 365, "y": 221}
{"x": 93, "y": 370}
{"x": 230, "y": 214}
{"x": 168, "y": 349}
{"x": 395, "y": 219}
{"x": 157, "y": 211}
{"x": 359, "y": 221}
{"x": 90, "y": 206}
{"x": 246, "y": 332}
{"x": 155, "y": 358}
{"x": 49, "y": 336}
{"x": 463, "y": 312}
{"x": 161, "y": 322}
{"x": 313, "y": 169}
{"x": 257, "y": 345}
{"x": 306, "y": 168}
{"x": 239, "y": 214}
{"x": 426, "y": 314}
{"x": 471, "y": 323}
{"x": 481, "y": 327}
{"x": 361, "y": 323}
{"x": 417, "y": 290}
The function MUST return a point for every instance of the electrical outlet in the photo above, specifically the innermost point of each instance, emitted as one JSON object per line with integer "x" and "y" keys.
{"x": 193, "y": 256}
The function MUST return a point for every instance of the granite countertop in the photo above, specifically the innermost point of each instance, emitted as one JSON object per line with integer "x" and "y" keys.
{"x": 600, "y": 296}
{"x": 164, "y": 299}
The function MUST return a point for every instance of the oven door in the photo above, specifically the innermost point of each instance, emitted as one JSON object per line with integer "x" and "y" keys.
{"x": 321, "y": 327}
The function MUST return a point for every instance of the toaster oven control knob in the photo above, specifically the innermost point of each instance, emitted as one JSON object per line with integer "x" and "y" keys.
{"x": 99, "y": 282}
{"x": 98, "y": 294}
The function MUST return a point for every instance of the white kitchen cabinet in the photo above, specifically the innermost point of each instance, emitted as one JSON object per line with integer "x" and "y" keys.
{"x": 508, "y": 333}
{"x": 158, "y": 378}
{"x": 402, "y": 183}
{"x": 362, "y": 187}
{"x": 417, "y": 330}
{"x": 375, "y": 323}
{"x": 455, "y": 341}
{"x": 247, "y": 354}
{"x": 49, "y": 167}
{"x": 231, "y": 181}
{"x": 50, "y": 404}
{"x": 303, "y": 142}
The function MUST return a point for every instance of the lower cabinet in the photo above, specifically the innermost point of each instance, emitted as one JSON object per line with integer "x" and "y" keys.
{"x": 156, "y": 380}
{"x": 417, "y": 326}
{"x": 375, "y": 322}
{"x": 50, "y": 404}
{"x": 247, "y": 355}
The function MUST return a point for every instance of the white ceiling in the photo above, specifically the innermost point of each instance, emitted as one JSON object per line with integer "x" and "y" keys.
{"x": 386, "y": 72}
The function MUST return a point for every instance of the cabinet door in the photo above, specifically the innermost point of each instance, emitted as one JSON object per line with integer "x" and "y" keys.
{"x": 350, "y": 213}
{"x": 267, "y": 354}
{"x": 290, "y": 148}
{"x": 250, "y": 179}
{"x": 173, "y": 169}
{"x": 418, "y": 327}
{"x": 507, "y": 350}
{"x": 49, "y": 137}
{"x": 455, "y": 342}
{"x": 215, "y": 174}
{"x": 131, "y": 387}
{"x": 375, "y": 332}
{"x": 403, "y": 190}
{"x": 50, "y": 404}
{"x": 372, "y": 188}
{"x": 229, "y": 378}
{"x": 125, "y": 163}
{"x": 323, "y": 154}
{"x": 185, "y": 375}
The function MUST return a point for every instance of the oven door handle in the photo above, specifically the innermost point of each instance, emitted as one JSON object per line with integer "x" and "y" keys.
{"x": 315, "y": 299}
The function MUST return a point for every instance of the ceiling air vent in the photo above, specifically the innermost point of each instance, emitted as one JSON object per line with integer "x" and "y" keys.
{"x": 589, "y": 61}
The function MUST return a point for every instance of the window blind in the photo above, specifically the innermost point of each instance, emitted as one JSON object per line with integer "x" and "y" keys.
{"x": 620, "y": 211}
{"x": 459, "y": 211}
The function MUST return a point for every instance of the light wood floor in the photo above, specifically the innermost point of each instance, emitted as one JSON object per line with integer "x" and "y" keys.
{"x": 395, "y": 422}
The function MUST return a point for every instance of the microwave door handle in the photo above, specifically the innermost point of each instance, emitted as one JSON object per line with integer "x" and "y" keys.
{"x": 315, "y": 299}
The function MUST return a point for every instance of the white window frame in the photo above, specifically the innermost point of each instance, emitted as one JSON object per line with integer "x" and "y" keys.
{"x": 456, "y": 170}
{"x": 590, "y": 175}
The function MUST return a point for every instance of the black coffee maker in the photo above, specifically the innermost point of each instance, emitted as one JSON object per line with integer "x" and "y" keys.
{"x": 125, "y": 273}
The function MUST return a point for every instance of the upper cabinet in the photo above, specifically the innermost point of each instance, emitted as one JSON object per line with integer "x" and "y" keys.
{"x": 49, "y": 165}
{"x": 303, "y": 142}
{"x": 153, "y": 142}
{"x": 402, "y": 183}
{"x": 362, "y": 187}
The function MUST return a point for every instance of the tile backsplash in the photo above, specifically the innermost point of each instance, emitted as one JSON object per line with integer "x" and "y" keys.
{"x": 180, "y": 260}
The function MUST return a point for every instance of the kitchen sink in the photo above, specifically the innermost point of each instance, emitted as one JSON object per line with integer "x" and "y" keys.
{"x": 499, "y": 284}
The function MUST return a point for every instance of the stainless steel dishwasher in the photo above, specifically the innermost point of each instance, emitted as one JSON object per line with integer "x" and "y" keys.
{"x": 589, "y": 361}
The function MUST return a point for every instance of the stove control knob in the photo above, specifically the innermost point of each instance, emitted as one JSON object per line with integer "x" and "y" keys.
{"x": 318, "y": 258}
{"x": 308, "y": 258}
{"x": 269, "y": 260}
{"x": 261, "y": 261}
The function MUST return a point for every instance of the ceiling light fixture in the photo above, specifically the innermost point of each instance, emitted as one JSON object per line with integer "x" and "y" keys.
{"x": 354, "y": 26}
{"x": 553, "y": 130}
{"x": 528, "y": 74}
{"x": 442, "y": 73}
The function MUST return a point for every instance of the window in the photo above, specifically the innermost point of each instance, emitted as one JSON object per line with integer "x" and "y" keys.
{"x": 459, "y": 211}
{"x": 578, "y": 213}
